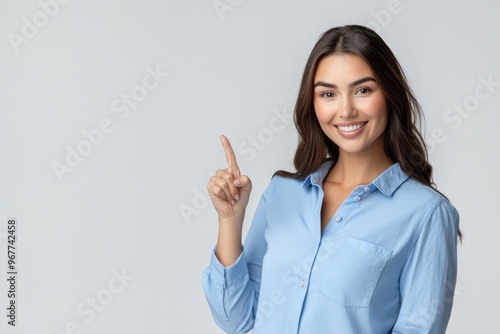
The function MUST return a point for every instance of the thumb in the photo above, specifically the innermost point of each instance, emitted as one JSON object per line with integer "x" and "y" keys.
{"x": 244, "y": 183}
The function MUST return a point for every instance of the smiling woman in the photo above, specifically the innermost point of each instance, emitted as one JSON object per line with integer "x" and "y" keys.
{"x": 356, "y": 239}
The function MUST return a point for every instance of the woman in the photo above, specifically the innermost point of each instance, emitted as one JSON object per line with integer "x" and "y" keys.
{"x": 356, "y": 240}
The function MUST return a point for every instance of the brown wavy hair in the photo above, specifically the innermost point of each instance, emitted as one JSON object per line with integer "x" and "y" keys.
{"x": 403, "y": 142}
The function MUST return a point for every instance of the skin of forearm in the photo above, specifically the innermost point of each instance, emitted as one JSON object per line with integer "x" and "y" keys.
{"x": 229, "y": 245}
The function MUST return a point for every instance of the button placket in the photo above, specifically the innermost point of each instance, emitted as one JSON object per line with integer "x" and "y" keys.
{"x": 351, "y": 203}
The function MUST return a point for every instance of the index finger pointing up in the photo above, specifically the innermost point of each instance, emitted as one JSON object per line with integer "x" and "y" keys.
{"x": 232, "y": 165}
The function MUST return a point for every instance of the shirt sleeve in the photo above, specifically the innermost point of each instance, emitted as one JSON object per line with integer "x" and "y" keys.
{"x": 428, "y": 280}
{"x": 233, "y": 292}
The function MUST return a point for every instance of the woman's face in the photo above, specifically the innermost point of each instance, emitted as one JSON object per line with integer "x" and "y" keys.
{"x": 349, "y": 103}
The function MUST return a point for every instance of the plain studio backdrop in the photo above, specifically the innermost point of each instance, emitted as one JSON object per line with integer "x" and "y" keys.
{"x": 110, "y": 116}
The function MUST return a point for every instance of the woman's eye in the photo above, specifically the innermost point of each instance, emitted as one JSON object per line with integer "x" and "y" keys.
{"x": 327, "y": 94}
{"x": 364, "y": 90}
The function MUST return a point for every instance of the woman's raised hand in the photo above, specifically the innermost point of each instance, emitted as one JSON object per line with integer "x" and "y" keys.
{"x": 228, "y": 189}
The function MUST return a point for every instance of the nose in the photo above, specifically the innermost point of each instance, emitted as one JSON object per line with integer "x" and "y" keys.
{"x": 347, "y": 109}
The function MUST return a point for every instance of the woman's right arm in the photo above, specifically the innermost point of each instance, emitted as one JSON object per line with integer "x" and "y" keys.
{"x": 231, "y": 282}
{"x": 233, "y": 292}
{"x": 230, "y": 192}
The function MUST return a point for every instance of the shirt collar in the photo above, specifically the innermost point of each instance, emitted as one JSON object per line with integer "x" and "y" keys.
{"x": 386, "y": 183}
{"x": 390, "y": 179}
{"x": 316, "y": 178}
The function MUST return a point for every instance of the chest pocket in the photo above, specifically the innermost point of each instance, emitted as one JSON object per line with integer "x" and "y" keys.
{"x": 353, "y": 272}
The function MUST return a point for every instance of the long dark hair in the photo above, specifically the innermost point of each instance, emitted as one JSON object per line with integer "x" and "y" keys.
{"x": 403, "y": 142}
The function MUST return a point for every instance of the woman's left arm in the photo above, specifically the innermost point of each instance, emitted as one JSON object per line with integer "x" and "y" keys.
{"x": 428, "y": 280}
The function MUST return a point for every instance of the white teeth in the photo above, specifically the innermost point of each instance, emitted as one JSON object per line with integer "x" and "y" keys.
{"x": 350, "y": 128}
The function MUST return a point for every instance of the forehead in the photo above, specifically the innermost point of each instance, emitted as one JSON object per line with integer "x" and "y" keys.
{"x": 342, "y": 68}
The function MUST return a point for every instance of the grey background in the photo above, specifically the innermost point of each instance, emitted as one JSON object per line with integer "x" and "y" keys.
{"x": 136, "y": 202}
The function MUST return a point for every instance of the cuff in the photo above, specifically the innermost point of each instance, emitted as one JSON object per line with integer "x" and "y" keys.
{"x": 228, "y": 276}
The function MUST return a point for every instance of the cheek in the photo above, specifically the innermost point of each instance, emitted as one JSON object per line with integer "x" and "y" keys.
{"x": 380, "y": 114}
{"x": 374, "y": 108}
{"x": 378, "y": 108}
{"x": 322, "y": 113}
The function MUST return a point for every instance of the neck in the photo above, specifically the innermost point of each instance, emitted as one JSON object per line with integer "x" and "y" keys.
{"x": 354, "y": 169}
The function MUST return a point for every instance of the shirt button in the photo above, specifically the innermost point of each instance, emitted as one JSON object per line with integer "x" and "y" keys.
{"x": 338, "y": 218}
{"x": 301, "y": 283}
{"x": 367, "y": 188}
{"x": 357, "y": 198}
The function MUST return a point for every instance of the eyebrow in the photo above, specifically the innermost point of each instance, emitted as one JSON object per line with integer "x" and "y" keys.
{"x": 352, "y": 84}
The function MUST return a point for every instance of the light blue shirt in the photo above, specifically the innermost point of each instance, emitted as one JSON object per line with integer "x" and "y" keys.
{"x": 386, "y": 262}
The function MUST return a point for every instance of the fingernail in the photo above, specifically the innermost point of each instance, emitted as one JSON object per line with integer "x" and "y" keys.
{"x": 236, "y": 197}
{"x": 237, "y": 183}
{"x": 233, "y": 202}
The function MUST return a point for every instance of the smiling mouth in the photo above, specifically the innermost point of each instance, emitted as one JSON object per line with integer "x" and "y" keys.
{"x": 350, "y": 128}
